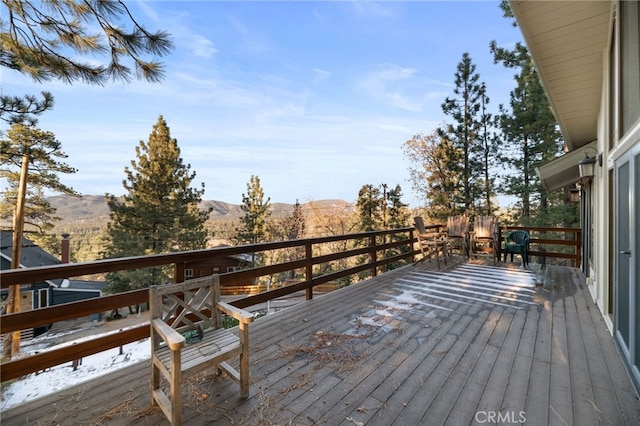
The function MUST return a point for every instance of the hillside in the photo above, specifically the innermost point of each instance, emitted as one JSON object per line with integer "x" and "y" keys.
{"x": 93, "y": 208}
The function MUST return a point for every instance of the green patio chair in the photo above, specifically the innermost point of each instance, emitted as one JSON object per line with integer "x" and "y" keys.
{"x": 517, "y": 242}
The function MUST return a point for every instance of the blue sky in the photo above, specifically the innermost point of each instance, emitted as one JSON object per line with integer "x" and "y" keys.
{"x": 315, "y": 98}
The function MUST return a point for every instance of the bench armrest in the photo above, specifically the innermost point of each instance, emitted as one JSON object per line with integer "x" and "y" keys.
{"x": 239, "y": 314}
{"x": 174, "y": 340}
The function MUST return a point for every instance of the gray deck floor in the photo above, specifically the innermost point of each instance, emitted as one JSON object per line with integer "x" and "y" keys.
{"x": 473, "y": 344}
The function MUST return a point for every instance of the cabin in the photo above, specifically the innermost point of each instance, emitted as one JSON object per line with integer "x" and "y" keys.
{"x": 48, "y": 292}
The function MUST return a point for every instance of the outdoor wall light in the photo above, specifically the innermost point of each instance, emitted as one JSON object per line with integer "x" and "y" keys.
{"x": 586, "y": 166}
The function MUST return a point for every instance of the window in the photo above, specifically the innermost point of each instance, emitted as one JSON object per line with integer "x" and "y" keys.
{"x": 43, "y": 298}
{"x": 188, "y": 273}
{"x": 629, "y": 64}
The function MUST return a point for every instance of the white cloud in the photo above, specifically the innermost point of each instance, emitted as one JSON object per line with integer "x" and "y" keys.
{"x": 202, "y": 47}
{"x": 387, "y": 85}
{"x": 371, "y": 9}
{"x": 320, "y": 75}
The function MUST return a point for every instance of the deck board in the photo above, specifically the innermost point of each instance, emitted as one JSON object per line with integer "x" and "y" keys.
{"x": 414, "y": 346}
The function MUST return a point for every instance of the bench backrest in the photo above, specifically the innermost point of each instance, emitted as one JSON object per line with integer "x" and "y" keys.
{"x": 186, "y": 305}
{"x": 418, "y": 223}
{"x": 457, "y": 226}
{"x": 485, "y": 226}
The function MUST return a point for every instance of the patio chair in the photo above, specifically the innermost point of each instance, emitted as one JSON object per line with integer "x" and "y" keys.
{"x": 484, "y": 237}
{"x": 187, "y": 337}
{"x": 517, "y": 242}
{"x": 431, "y": 242}
{"x": 457, "y": 234}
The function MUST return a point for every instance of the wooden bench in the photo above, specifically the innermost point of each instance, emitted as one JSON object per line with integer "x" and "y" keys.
{"x": 193, "y": 309}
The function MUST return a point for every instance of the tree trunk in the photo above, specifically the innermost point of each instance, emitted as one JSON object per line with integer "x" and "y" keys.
{"x": 11, "y": 346}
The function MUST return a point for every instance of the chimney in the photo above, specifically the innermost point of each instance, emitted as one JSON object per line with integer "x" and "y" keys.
{"x": 64, "y": 248}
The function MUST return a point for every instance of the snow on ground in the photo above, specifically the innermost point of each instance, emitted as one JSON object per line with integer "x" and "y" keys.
{"x": 62, "y": 376}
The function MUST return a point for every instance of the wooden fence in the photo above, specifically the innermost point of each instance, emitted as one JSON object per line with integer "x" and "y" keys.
{"x": 375, "y": 253}
{"x": 550, "y": 243}
{"x": 372, "y": 252}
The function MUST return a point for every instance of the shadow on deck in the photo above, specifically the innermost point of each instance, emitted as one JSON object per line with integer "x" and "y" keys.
{"x": 472, "y": 344}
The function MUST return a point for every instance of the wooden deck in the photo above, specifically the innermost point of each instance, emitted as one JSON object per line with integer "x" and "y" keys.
{"x": 473, "y": 344}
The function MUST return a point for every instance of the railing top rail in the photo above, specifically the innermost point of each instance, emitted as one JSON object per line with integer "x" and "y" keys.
{"x": 67, "y": 270}
{"x": 541, "y": 228}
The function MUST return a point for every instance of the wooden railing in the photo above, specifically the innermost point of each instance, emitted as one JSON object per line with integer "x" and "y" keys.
{"x": 376, "y": 251}
{"x": 558, "y": 243}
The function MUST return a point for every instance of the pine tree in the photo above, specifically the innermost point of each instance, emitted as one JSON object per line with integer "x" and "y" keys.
{"x": 529, "y": 131}
{"x": 29, "y": 161}
{"x": 43, "y": 154}
{"x": 369, "y": 206}
{"x": 397, "y": 217}
{"x": 486, "y": 150}
{"x": 253, "y": 225}
{"x": 463, "y": 135}
{"x": 380, "y": 208}
{"x": 397, "y": 211}
{"x": 48, "y": 40}
{"x": 293, "y": 226}
{"x": 158, "y": 214}
{"x": 42, "y": 40}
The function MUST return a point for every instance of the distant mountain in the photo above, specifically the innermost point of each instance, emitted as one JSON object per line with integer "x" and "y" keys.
{"x": 94, "y": 208}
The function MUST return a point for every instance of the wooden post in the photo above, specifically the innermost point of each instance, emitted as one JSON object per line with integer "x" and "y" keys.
{"x": 12, "y": 340}
{"x": 178, "y": 272}
{"x": 373, "y": 255}
{"x": 308, "y": 255}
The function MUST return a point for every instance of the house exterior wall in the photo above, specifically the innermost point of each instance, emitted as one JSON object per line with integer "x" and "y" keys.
{"x": 218, "y": 265}
{"x": 595, "y": 96}
{"x": 614, "y": 284}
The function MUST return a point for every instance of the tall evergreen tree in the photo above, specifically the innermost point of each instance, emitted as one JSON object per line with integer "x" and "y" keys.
{"x": 397, "y": 217}
{"x": 294, "y": 225}
{"x": 463, "y": 134}
{"x": 29, "y": 164}
{"x": 381, "y": 208}
{"x": 530, "y": 132}
{"x": 397, "y": 211}
{"x": 486, "y": 150}
{"x": 253, "y": 225}
{"x": 369, "y": 206}
{"x": 158, "y": 214}
{"x": 42, "y": 153}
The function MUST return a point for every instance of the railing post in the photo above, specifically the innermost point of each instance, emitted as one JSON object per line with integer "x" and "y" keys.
{"x": 308, "y": 255}
{"x": 178, "y": 272}
{"x": 373, "y": 255}
{"x": 411, "y": 245}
